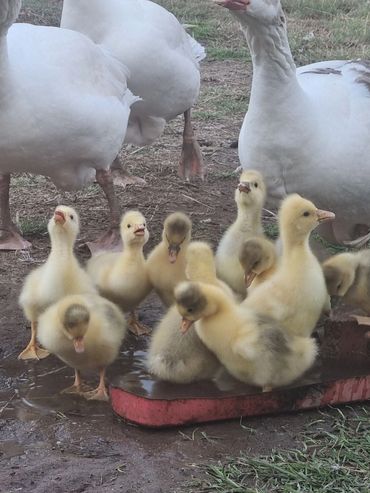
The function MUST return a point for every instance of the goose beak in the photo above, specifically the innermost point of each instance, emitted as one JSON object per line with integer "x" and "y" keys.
{"x": 173, "y": 251}
{"x": 185, "y": 325}
{"x": 233, "y": 4}
{"x": 323, "y": 216}
{"x": 79, "y": 344}
{"x": 139, "y": 230}
{"x": 249, "y": 278}
{"x": 59, "y": 217}
{"x": 244, "y": 186}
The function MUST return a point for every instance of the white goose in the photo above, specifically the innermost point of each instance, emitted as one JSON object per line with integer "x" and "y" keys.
{"x": 163, "y": 61}
{"x": 306, "y": 130}
{"x": 64, "y": 108}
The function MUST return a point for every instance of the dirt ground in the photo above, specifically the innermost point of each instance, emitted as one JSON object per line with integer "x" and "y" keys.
{"x": 62, "y": 444}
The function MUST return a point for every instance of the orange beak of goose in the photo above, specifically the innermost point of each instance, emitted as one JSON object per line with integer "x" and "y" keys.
{"x": 185, "y": 325}
{"x": 139, "y": 230}
{"x": 59, "y": 217}
{"x": 79, "y": 344}
{"x": 244, "y": 186}
{"x": 249, "y": 278}
{"x": 233, "y": 4}
{"x": 323, "y": 216}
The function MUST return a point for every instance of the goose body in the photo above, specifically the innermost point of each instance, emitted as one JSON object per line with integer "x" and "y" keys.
{"x": 64, "y": 105}
{"x": 162, "y": 58}
{"x": 307, "y": 130}
{"x": 64, "y": 109}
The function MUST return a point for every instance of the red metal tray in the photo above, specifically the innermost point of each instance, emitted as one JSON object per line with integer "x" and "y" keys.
{"x": 340, "y": 375}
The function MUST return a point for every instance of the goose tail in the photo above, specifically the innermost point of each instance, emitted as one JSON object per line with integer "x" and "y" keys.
{"x": 9, "y": 10}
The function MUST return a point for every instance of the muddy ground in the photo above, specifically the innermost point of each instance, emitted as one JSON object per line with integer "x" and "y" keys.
{"x": 62, "y": 444}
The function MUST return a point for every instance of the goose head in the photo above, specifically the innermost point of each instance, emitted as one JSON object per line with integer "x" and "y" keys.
{"x": 199, "y": 255}
{"x": 339, "y": 272}
{"x": 264, "y": 11}
{"x": 257, "y": 255}
{"x": 133, "y": 229}
{"x": 64, "y": 223}
{"x": 299, "y": 216}
{"x": 251, "y": 190}
{"x": 176, "y": 234}
{"x": 75, "y": 325}
{"x": 191, "y": 303}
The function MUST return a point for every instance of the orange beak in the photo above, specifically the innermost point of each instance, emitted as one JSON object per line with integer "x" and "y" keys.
{"x": 185, "y": 325}
{"x": 79, "y": 344}
{"x": 323, "y": 216}
{"x": 249, "y": 278}
{"x": 59, "y": 217}
{"x": 173, "y": 251}
{"x": 139, "y": 230}
{"x": 244, "y": 186}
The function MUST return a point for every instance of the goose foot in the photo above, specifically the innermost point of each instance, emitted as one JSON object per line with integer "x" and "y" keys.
{"x": 33, "y": 350}
{"x": 233, "y": 4}
{"x": 101, "y": 392}
{"x": 78, "y": 387}
{"x": 191, "y": 161}
{"x": 12, "y": 240}
{"x": 122, "y": 178}
{"x": 136, "y": 327}
{"x": 108, "y": 242}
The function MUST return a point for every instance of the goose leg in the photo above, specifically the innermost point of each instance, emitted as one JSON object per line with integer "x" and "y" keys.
{"x": 101, "y": 392}
{"x": 191, "y": 161}
{"x": 78, "y": 387}
{"x": 10, "y": 239}
{"x": 33, "y": 350}
{"x": 111, "y": 240}
{"x": 122, "y": 177}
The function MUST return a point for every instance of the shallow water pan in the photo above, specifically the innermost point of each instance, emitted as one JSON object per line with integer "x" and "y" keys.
{"x": 340, "y": 375}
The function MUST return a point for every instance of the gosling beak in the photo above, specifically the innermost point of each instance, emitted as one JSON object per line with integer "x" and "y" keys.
{"x": 185, "y": 325}
{"x": 323, "y": 216}
{"x": 244, "y": 186}
{"x": 248, "y": 278}
{"x": 173, "y": 251}
{"x": 139, "y": 230}
{"x": 79, "y": 344}
{"x": 59, "y": 217}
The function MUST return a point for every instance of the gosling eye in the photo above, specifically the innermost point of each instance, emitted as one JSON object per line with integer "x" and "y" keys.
{"x": 256, "y": 264}
{"x": 190, "y": 310}
{"x": 339, "y": 286}
{"x": 255, "y": 184}
{"x": 306, "y": 214}
{"x": 72, "y": 216}
{"x": 144, "y": 225}
{"x": 129, "y": 225}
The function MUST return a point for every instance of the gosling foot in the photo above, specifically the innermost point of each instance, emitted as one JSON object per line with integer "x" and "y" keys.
{"x": 33, "y": 351}
{"x": 137, "y": 328}
{"x": 99, "y": 394}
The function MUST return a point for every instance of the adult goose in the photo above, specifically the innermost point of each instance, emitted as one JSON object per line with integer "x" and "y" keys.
{"x": 163, "y": 61}
{"x": 307, "y": 130}
{"x": 64, "y": 108}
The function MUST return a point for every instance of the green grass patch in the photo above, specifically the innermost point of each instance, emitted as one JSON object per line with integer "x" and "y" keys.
{"x": 33, "y": 227}
{"x": 334, "y": 458}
